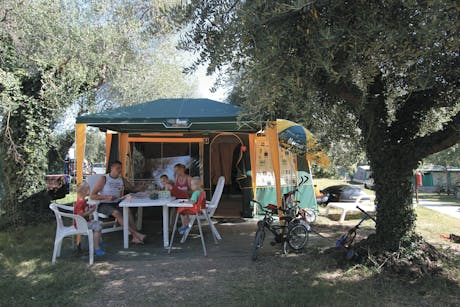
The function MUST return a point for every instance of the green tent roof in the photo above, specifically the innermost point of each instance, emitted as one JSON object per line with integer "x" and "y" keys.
{"x": 168, "y": 115}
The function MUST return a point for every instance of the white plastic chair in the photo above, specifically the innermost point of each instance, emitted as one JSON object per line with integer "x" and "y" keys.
{"x": 107, "y": 226}
{"x": 67, "y": 231}
{"x": 208, "y": 213}
{"x": 367, "y": 204}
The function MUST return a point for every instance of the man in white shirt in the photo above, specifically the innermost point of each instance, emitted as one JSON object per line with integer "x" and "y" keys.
{"x": 108, "y": 190}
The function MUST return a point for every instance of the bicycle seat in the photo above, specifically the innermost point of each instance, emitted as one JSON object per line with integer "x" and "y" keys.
{"x": 273, "y": 208}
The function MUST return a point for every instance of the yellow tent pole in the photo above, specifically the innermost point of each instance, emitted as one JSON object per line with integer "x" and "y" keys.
{"x": 123, "y": 150}
{"x": 108, "y": 145}
{"x": 252, "y": 154}
{"x": 272, "y": 134}
{"x": 80, "y": 140}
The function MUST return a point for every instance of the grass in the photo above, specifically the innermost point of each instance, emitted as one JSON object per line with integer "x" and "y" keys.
{"x": 225, "y": 277}
{"x": 27, "y": 276}
{"x": 431, "y": 224}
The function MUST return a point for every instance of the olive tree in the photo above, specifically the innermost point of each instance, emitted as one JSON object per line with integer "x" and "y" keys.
{"x": 55, "y": 54}
{"x": 385, "y": 73}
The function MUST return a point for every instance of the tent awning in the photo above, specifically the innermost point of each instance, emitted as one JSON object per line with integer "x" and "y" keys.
{"x": 169, "y": 115}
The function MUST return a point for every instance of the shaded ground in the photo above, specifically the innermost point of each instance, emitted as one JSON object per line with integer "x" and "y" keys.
{"x": 147, "y": 275}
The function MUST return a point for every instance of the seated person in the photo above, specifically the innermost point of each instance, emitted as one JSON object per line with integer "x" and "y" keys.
{"x": 81, "y": 208}
{"x": 108, "y": 190}
{"x": 199, "y": 202}
{"x": 183, "y": 180}
{"x": 169, "y": 185}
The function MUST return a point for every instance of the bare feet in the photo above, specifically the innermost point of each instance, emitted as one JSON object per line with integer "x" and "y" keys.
{"x": 137, "y": 241}
{"x": 141, "y": 236}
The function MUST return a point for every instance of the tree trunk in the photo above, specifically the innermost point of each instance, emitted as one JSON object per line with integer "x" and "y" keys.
{"x": 392, "y": 164}
{"x": 395, "y": 213}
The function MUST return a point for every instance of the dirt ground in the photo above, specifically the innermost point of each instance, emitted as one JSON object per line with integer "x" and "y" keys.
{"x": 145, "y": 275}
{"x": 148, "y": 275}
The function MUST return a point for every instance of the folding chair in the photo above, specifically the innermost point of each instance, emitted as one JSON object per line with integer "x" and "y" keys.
{"x": 199, "y": 227}
{"x": 208, "y": 213}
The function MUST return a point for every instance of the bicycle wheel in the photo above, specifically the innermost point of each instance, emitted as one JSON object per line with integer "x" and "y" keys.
{"x": 310, "y": 216}
{"x": 297, "y": 236}
{"x": 258, "y": 242}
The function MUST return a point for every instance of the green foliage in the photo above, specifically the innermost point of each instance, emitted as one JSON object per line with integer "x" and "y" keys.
{"x": 95, "y": 146}
{"x": 447, "y": 157}
{"x": 379, "y": 75}
{"x": 56, "y": 54}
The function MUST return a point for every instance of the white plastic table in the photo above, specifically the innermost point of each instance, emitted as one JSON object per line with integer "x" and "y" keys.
{"x": 145, "y": 201}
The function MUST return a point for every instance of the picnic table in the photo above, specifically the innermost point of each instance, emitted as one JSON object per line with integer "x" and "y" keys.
{"x": 141, "y": 200}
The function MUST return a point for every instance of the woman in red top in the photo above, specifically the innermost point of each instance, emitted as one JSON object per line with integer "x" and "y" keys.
{"x": 168, "y": 185}
{"x": 183, "y": 181}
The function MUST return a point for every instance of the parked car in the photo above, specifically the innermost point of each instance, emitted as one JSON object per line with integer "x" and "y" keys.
{"x": 99, "y": 168}
{"x": 344, "y": 193}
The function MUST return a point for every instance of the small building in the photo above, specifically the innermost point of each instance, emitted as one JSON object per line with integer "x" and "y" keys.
{"x": 439, "y": 178}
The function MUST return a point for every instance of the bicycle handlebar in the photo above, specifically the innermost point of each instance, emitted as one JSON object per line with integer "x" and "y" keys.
{"x": 366, "y": 214}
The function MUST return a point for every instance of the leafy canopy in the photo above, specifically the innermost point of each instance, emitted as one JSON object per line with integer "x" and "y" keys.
{"x": 314, "y": 61}
{"x": 55, "y": 54}
{"x": 381, "y": 73}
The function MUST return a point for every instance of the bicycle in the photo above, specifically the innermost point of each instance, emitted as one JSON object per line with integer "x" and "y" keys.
{"x": 289, "y": 201}
{"x": 295, "y": 237}
{"x": 307, "y": 215}
{"x": 346, "y": 240}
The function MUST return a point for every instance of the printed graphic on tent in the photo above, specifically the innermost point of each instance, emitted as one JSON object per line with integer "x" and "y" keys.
{"x": 300, "y": 141}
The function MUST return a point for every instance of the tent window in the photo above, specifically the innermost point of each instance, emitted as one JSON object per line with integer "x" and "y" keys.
{"x": 151, "y": 160}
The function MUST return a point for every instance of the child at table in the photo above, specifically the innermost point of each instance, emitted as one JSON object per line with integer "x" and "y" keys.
{"x": 81, "y": 208}
{"x": 199, "y": 202}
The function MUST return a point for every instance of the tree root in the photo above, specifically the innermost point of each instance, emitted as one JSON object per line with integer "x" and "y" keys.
{"x": 415, "y": 257}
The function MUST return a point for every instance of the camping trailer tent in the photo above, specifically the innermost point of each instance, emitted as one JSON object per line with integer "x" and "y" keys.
{"x": 148, "y": 138}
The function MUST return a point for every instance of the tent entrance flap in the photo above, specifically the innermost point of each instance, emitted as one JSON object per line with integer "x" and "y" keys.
{"x": 229, "y": 158}
{"x": 278, "y": 170}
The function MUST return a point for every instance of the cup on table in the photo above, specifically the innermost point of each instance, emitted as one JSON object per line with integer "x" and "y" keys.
{"x": 128, "y": 198}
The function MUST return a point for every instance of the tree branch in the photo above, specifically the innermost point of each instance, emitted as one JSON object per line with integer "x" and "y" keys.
{"x": 348, "y": 92}
{"x": 290, "y": 14}
{"x": 440, "y": 140}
